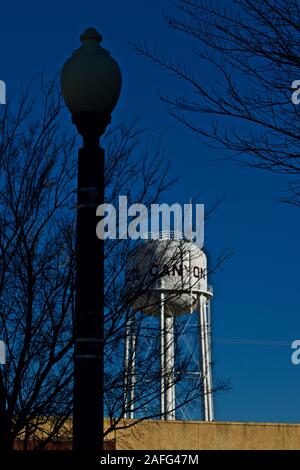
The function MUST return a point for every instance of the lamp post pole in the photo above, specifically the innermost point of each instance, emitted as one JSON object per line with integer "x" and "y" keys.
{"x": 89, "y": 303}
{"x": 91, "y": 83}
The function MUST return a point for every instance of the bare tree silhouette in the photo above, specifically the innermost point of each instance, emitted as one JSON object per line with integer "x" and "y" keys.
{"x": 244, "y": 59}
{"x": 37, "y": 261}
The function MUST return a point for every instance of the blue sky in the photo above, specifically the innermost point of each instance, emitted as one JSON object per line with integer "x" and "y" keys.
{"x": 257, "y": 291}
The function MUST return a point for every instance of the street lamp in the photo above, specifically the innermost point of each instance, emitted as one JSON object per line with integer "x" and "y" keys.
{"x": 91, "y": 85}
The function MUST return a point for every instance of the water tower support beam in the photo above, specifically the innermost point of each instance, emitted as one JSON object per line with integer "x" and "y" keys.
{"x": 204, "y": 367}
{"x": 209, "y": 360}
{"x": 126, "y": 364}
{"x": 132, "y": 372}
{"x": 129, "y": 383}
{"x": 162, "y": 356}
{"x": 169, "y": 368}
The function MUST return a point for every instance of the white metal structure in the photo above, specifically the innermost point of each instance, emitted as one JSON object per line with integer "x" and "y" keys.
{"x": 170, "y": 275}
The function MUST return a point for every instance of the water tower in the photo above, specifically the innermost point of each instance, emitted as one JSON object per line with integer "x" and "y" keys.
{"x": 169, "y": 275}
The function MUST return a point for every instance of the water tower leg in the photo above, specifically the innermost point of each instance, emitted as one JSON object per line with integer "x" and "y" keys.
{"x": 126, "y": 367}
{"x": 209, "y": 360}
{"x": 129, "y": 382}
{"x": 169, "y": 368}
{"x": 173, "y": 374}
{"x": 162, "y": 356}
{"x": 132, "y": 373}
{"x": 204, "y": 368}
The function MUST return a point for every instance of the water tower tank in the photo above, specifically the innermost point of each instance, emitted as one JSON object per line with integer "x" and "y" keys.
{"x": 176, "y": 267}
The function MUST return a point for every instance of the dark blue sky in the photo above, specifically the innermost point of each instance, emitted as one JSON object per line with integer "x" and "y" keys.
{"x": 257, "y": 292}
